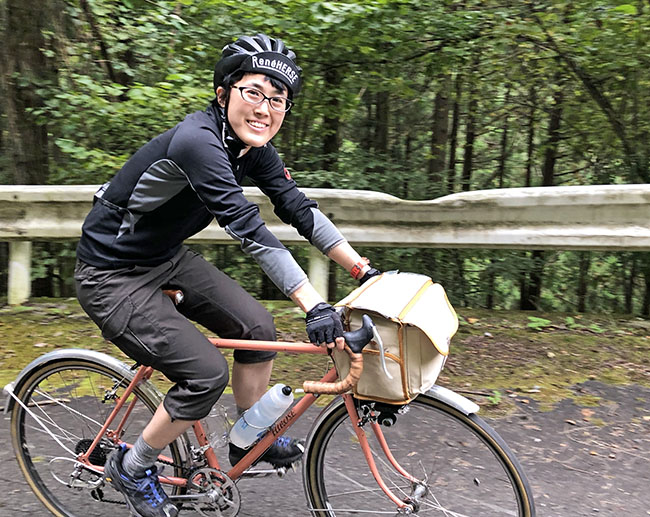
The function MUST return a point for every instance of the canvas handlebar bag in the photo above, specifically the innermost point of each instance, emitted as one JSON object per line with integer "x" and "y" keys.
{"x": 415, "y": 322}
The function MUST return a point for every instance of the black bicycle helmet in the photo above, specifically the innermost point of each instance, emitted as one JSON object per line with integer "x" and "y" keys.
{"x": 259, "y": 54}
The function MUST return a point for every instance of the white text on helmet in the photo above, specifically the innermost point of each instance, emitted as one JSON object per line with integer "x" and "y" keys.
{"x": 279, "y": 66}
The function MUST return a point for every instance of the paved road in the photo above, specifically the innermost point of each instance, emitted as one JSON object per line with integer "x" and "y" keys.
{"x": 579, "y": 463}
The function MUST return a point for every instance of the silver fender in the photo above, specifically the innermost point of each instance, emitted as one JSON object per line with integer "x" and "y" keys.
{"x": 449, "y": 397}
{"x": 98, "y": 358}
{"x": 453, "y": 399}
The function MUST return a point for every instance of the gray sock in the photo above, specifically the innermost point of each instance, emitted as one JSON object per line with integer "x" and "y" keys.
{"x": 139, "y": 458}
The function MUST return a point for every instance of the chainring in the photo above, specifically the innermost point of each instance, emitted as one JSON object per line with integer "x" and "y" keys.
{"x": 222, "y": 494}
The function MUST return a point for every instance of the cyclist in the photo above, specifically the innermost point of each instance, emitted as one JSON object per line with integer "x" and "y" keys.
{"x": 132, "y": 247}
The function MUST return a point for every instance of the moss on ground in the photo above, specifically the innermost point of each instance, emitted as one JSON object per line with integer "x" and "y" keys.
{"x": 498, "y": 358}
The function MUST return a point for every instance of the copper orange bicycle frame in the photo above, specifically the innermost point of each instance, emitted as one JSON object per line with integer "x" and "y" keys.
{"x": 280, "y": 426}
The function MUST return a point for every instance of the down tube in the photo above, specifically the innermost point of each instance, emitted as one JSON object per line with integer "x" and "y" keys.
{"x": 278, "y": 429}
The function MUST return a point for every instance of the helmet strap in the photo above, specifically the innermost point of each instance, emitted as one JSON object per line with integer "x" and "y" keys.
{"x": 232, "y": 141}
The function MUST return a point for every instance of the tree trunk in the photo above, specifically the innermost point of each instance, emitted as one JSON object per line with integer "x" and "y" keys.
{"x": 439, "y": 135}
{"x": 453, "y": 137}
{"x": 105, "y": 59}
{"x": 645, "y": 307}
{"x": 532, "y": 286}
{"x": 470, "y": 131}
{"x": 530, "y": 144}
{"x": 553, "y": 139}
{"x": 408, "y": 149}
{"x": 630, "y": 277}
{"x": 503, "y": 154}
{"x": 368, "y": 136}
{"x": 491, "y": 282}
{"x": 381, "y": 130}
{"x": 460, "y": 271}
{"x": 23, "y": 69}
{"x": 470, "y": 137}
{"x": 286, "y": 137}
{"x": 4, "y": 263}
{"x": 331, "y": 122}
{"x": 268, "y": 289}
{"x": 583, "y": 280}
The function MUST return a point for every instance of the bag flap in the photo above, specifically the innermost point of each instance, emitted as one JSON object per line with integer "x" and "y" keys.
{"x": 411, "y": 299}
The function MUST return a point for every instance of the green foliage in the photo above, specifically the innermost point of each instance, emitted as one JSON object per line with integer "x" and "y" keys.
{"x": 376, "y": 68}
{"x": 537, "y": 323}
{"x": 495, "y": 397}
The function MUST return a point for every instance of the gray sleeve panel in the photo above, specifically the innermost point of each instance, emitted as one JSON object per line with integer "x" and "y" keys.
{"x": 325, "y": 235}
{"x": 157, "y": 185}
{"x": 278, "y": 263}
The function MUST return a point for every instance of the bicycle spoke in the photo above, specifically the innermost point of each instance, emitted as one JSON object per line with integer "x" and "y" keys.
{"x": 64, "y": 406}
{"x": 452, "y": 451}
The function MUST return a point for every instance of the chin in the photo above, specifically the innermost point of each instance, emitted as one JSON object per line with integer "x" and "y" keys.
{"x": 256, "y": 141}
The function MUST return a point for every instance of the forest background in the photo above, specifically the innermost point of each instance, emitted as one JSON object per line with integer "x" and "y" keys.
{"x": 415, "y": 98}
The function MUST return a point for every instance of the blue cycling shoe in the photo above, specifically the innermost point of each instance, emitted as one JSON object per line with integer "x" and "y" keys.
{"x": 144, "y": 496}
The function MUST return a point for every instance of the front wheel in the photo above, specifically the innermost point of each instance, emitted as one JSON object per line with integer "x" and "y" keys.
{"x": 62, "y": 407}
{"x": 462, "y": 465}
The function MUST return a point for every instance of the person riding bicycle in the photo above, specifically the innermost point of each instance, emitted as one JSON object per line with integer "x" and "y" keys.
{"x": 131, "y": 249}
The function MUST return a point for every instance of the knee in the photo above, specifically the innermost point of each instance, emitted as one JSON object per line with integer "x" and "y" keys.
{"x": 210, "y": 381}
{"x": 263, "y": 329}
{"x": 215, "y": 384}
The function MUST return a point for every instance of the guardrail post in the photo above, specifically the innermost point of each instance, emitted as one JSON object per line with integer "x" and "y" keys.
{"x": 318, "y": 271}
{"x": 19, "y": 275}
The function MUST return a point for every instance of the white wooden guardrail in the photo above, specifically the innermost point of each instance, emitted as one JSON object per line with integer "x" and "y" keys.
{"x": 607, "y": 217}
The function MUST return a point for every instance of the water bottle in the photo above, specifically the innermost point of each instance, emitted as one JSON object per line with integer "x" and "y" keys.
{"x": 217, "y": 426}
{"x": 254, "y": 422}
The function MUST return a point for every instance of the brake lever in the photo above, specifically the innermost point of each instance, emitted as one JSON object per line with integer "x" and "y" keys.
{"x": 377, "y": 338}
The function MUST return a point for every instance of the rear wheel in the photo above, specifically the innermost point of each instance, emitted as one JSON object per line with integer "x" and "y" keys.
{"x": 463, "y": 467}
{"x": 62, "y": 408}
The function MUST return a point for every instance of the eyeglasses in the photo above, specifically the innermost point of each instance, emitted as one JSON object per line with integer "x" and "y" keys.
{"x": 254, "y": 96}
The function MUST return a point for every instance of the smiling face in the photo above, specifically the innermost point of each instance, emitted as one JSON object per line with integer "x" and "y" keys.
{"x": 254, "y": 124}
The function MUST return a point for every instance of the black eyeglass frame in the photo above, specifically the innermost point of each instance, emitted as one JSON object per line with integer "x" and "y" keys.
{"x": 289, "y": 102}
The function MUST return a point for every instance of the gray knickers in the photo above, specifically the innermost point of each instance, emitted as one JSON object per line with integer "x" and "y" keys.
{"x": 132, "y": 311}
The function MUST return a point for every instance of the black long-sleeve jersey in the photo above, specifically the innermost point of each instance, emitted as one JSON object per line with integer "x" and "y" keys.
{"x": 173, "y": 187}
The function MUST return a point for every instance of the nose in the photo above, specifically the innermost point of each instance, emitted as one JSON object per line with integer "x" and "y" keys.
{"x": 263, "y": 107}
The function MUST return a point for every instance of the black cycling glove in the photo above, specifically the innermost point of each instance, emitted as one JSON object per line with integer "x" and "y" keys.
{"x": 368, "y": 275}
{"x": 323, "y": 324}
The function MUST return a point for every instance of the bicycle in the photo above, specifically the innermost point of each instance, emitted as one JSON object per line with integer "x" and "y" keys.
{"x": 70, "y": 408}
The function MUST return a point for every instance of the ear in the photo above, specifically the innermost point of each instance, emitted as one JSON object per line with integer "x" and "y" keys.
{"x": 221, "y": 96}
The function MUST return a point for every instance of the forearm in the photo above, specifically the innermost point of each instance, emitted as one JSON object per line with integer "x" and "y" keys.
{"x": 345, "y": 255}
{"x": 306, "y": 297}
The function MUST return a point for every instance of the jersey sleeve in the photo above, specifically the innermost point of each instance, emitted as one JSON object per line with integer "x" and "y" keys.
{"x": 291, "y": 205}
{"x": 203, "y": 159}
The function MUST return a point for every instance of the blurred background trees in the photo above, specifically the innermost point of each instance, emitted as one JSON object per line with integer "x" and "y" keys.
{"x": 418, "y": 99}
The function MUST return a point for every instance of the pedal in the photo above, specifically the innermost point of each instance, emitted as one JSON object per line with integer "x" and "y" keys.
{"x": 261, "y": 473}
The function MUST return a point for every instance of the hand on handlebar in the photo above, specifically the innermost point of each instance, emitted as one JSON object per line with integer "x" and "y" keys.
{"x": 324, "y": 326}
{"x": 368, "y": 275}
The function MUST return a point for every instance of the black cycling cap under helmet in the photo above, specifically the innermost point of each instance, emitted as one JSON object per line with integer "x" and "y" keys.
{"x": 259, "y": 54}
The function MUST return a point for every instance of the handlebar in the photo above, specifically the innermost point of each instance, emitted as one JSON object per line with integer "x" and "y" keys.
{"x": 355, "y": 340}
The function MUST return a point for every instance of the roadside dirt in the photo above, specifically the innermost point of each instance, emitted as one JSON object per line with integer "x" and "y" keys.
{"x": 570, "y": 394}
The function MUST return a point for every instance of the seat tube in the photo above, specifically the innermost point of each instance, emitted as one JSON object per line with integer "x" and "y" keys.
{"x": 367, "y": 452}
{"x": 144, "y": 372}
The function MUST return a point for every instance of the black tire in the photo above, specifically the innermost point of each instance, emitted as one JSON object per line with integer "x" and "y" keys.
{"x": 469, "y": 470}
{"x": 67, "y": 396}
